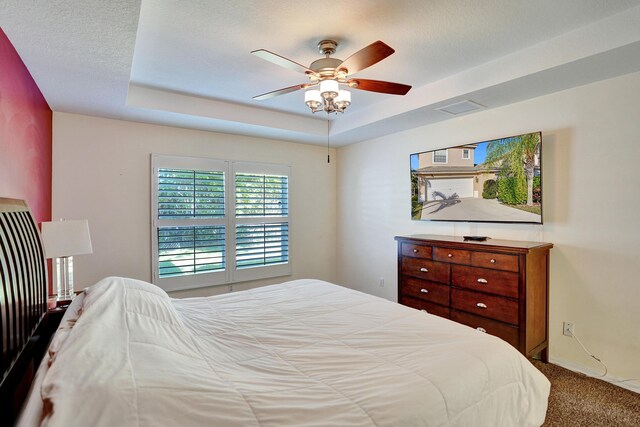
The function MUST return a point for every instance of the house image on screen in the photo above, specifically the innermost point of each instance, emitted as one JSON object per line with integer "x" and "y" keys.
{"x": 451, "y": 171}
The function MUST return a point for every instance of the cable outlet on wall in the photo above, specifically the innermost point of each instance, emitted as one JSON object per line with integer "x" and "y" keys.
{"x": 567, "y": 329}
{"x": 382, "y": 282}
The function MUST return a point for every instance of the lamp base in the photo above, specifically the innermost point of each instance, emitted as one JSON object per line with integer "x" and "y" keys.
{"x": 64, "y": 278}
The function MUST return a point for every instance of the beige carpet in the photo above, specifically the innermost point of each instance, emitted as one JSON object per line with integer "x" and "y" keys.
{"x": 578, "y": 400}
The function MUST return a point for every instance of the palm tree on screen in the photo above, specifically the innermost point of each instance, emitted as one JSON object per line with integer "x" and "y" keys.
{"x": 514, "y": 156}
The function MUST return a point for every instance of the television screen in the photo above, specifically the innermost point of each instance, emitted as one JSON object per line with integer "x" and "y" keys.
{"x": 490, "y": 181}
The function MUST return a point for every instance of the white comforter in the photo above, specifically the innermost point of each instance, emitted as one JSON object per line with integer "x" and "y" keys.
{"x": 302, "y": 353}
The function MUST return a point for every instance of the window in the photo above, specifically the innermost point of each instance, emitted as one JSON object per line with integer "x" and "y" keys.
{"x": 216, "y": 222}
{"x": 261, "y": 220}
{"x": 440, "y": 156}
{"x": 466, "y": 153}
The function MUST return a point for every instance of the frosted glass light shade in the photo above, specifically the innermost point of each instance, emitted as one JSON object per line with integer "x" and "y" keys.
{"x": 344, "y": 96}
{"x": 312, "y": 96}
{"x": 329, "y": 88}
{"x": 66, "y": 238}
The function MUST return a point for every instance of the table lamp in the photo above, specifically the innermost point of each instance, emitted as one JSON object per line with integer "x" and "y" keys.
{"x": 62, "y": 240}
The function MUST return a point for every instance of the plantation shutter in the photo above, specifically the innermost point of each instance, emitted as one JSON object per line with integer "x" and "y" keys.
{"x": 190, "y": 194}
{"x": 194, "y": 249}
{"x": 189, "y": 222}
{"x": 262, "y": 244}
{"x": 262, "y": 218}
{"x": 190, "y": 250}
{"x": 261, "y": 195}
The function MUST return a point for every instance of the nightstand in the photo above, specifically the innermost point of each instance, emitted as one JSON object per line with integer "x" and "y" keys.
{"x": 47, "y": 328}
{"x": 54, "y": 316}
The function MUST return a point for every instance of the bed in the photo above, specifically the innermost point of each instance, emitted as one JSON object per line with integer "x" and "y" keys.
{"x": 300, "y": 353}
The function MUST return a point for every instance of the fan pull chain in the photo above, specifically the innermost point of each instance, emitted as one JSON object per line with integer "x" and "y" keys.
{"x": 328, "y": 156}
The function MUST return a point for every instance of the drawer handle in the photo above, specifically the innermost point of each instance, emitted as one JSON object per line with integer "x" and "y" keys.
{"x": 481, "y": 305}
{"x": 481, "y": 329}
{"x": 423, "y": 310}
{"x": 424, "y": 270}
{"x": 424, "y": 291}
{"x": 415, "y": 251}
{"x": 450, "y": 255}
{"x": 481, "y": 280}
{"x": 493, "y": 261}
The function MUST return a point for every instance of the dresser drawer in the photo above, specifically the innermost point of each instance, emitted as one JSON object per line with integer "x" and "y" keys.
{"x": 426, "y": 290}
{"x": 501, "y": 330}
{"x": 495, "y": 261}
{"x": 429, "y": 307}
{"x": 485, "y": 280}
{"x": 491, "y": 306}
{"x": 455, "y": 256}
{"x": 416, "y": 251}
{"x": 424, "y": 269}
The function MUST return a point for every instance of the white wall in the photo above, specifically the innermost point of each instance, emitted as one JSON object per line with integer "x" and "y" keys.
{"x": 101, "y": 172}
{"x": 591, "y": 166}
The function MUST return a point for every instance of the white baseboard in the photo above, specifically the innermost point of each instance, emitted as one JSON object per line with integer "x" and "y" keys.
{"x": 629, "y": 385}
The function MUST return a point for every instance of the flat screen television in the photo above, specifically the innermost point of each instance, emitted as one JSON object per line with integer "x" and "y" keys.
{"x": 490, "y": 181}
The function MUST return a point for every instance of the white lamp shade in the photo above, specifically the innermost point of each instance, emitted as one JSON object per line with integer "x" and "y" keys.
{"x": 344, "y": 96}
{"x": 66, "y": 238}
{"x": 329, "y": 86}
{"x": 312, "y": 95}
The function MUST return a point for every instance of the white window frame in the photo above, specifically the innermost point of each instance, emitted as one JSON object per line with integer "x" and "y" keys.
{"x": 229, "y": 274}
{"x": 446, "y": 155}
{"x": 468, "y": 151}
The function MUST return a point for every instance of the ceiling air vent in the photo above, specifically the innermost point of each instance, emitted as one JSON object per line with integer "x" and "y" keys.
{"x": 461, "y": 107}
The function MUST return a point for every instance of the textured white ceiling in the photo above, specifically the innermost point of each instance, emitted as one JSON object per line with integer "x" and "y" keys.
{"x": 188, "y": 63}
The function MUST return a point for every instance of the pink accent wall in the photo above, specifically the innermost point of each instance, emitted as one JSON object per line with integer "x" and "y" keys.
{"x": 25, "y": 135}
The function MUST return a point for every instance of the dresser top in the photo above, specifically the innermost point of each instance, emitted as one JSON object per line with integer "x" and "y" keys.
{"x": 487, "y": 244}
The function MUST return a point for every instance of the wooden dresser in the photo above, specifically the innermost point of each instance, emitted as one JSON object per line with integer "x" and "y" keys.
{"x": 500, "y": 287}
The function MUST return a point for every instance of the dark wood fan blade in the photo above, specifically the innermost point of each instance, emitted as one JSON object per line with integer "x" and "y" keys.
{"x": 289, "y": 89}
{"x": 379, "y": 86}
{"x": 366, "y": 57}
{"x": 282, "y": 61}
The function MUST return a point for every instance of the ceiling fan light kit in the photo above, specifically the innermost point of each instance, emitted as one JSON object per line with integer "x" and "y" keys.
{"x": 327, "y": 74}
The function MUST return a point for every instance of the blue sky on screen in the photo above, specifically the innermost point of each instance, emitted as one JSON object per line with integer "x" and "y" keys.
{"x": 480, "y": 153}
{"x": 414, "y": 162}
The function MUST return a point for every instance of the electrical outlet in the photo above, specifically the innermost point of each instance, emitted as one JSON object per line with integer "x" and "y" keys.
{"x": 230, "y": 288}
{"x": 382, "y": 282}
{"x": 567, "y": 329}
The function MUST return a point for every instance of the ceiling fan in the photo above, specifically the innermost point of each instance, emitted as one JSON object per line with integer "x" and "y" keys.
{"x": 327, "y": 74}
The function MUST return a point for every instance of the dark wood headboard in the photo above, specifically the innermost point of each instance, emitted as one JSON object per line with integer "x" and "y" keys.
{"x": 23, "y": 300}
